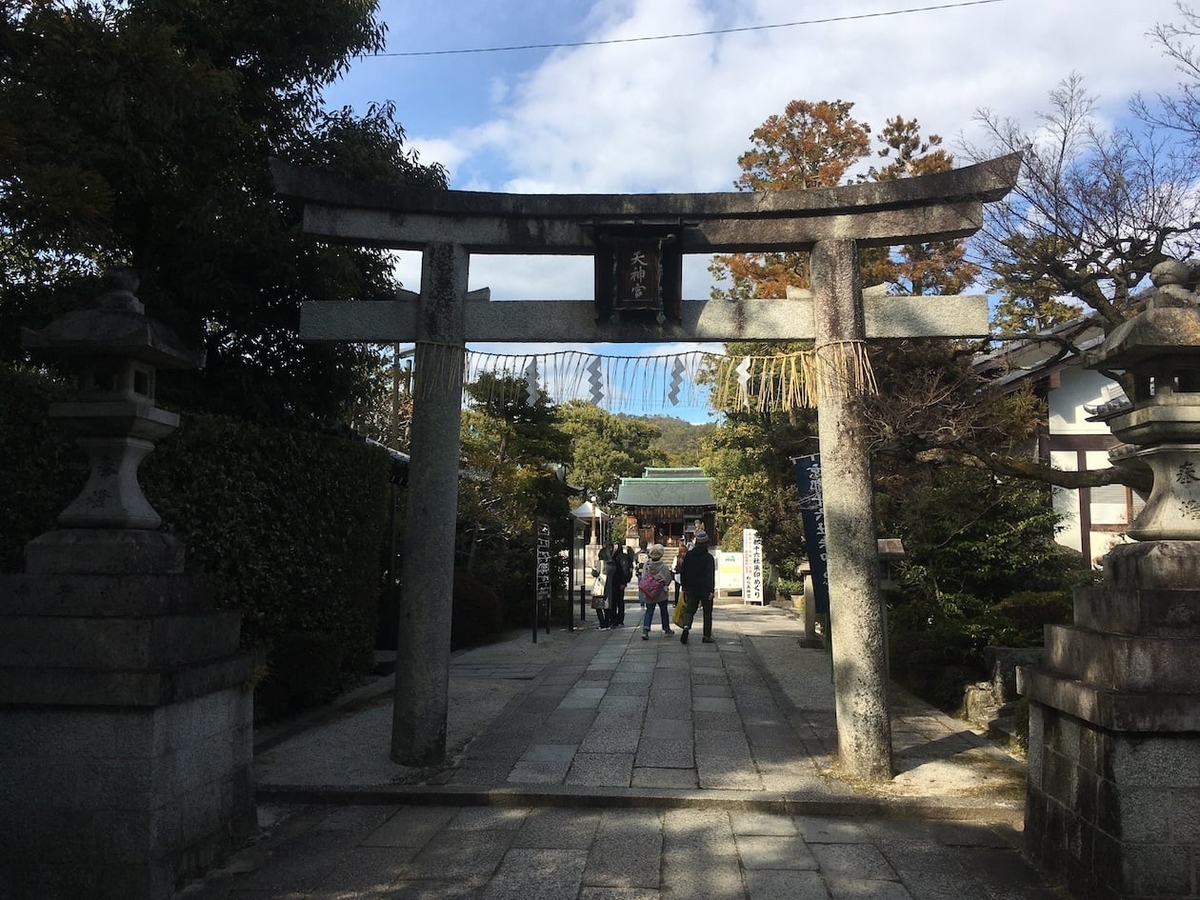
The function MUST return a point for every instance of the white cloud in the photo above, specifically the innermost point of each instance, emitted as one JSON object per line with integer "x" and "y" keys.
{"x": 674, "y": 115}
{"x": 446, "y": 151}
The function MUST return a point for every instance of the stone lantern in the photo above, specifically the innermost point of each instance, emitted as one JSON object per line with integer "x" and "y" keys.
{"x": 126, "y": 699}
{"x": 115, "y": 350}
{"x": 1113, "y": 799}
{"x": 1159, "y": 350}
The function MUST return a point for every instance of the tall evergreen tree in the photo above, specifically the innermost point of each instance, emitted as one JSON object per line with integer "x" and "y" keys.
{"x": 820, "y": 145}
{"x": 139, "y": 133}
{"x": 606, "y": 447}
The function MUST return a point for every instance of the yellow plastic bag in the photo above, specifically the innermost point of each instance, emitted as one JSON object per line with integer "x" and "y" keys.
{"x": 680, "y": 614}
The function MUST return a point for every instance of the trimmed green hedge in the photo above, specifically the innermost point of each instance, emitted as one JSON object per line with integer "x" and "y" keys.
{"x": 290, "y": 524}
{"x": 42, "y": 471}
{"x": 936, "y": 650}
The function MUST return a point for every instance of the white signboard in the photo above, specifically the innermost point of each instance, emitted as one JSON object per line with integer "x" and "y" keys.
{"x": 729, "y": 572}
{"x": 752, "y": 567}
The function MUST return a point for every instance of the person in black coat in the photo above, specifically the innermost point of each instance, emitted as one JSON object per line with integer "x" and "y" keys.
{"x": 698, "y": 573}
{"x": 624, "y": 560}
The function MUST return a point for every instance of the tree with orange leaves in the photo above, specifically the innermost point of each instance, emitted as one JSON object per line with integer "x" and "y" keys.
{"x": 818, "y": 145}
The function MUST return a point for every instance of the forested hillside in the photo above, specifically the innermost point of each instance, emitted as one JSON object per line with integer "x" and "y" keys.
{"x": 680, "y": 444}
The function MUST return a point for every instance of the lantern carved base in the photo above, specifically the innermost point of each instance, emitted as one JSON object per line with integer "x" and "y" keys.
{"x": 1172, "y": 511}
{"x": 104, "y": 551}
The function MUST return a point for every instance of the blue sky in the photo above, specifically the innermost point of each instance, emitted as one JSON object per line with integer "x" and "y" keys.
{"x": 673, "y": 115}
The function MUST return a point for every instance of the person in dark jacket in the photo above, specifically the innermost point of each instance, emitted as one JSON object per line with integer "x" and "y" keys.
{"x": 699, "y": 577}
{"x": 624, "y": 558}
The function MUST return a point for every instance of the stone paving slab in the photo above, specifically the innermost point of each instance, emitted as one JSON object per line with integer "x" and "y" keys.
{"x": 755, "y": 710}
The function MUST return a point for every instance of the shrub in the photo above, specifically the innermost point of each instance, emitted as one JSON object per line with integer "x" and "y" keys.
{"x": 1021, "y": 722}
{"x": 303, "y": 670}
{"x": 982, "y": 569}
{"x": 478, "y": 611}
{"x": 43, "y": 470}
{"x": 790, "y": 589}
{"x": 935, "y": 661}
{"x": 1020, "y": 620}
{"x": 289, "y": 523}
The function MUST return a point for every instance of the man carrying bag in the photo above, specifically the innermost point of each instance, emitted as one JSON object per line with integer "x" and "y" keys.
{"x": 698, "y": 574}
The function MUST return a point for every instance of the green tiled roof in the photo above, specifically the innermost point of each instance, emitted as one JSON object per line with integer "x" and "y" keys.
{"x": 667, "y": 487}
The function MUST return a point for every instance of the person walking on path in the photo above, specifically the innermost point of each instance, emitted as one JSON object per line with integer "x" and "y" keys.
{"x": 607, "y": 569}
{"x": 658, "y": 569}
{"x": 699, "y": 577}
{"x": 624, "y": 560}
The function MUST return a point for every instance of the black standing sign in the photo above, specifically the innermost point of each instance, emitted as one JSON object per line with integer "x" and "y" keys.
{"x": 812, "y": 511}
{"x": 541, "y": 604}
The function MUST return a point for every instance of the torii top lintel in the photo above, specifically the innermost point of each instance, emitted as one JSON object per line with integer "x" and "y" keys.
{"x": 940, "y": 206}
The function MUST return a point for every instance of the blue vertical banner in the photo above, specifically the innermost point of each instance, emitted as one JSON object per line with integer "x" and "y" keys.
{"x": 812, "y": 512}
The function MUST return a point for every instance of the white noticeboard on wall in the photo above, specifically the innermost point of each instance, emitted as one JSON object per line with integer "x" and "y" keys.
{"x": 752, "y": 567}
{"x": 729, "y": 573}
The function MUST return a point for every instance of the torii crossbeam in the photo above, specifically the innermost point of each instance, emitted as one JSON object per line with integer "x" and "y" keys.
{"x": 832, "y": 223}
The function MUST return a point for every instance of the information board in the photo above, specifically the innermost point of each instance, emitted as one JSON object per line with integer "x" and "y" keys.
{"x": 729, "y": 572}
{"x": 752, "y": 567}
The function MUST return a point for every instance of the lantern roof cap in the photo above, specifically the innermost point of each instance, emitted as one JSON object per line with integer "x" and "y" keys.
{"x": 117, "y": 327}
{"x": 1154, "y": 332}
{"x": 1167, "y": 326}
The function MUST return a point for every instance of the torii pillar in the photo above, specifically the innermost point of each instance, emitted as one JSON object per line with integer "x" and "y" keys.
{"x": 421, "y": 700}
{"x": 831, "y": 222}
{"x": 857, "y": 628}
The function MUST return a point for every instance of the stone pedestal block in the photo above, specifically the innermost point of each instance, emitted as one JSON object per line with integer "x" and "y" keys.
{"x": 126, "y": 717}
{"x": 103, "y": 551}
{"x": 1113, "y": 800}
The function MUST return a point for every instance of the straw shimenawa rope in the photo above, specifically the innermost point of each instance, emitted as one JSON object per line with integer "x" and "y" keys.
{"x": 758, "y": 383}
{"x": 797, "y": 380}
{"x": 844, "y": 367}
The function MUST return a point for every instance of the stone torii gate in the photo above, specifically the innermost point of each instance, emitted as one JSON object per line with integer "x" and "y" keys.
{"x": 832, "y": 223}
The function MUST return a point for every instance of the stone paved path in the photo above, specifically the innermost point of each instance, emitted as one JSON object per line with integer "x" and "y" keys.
{"x": 623, "y": 769}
